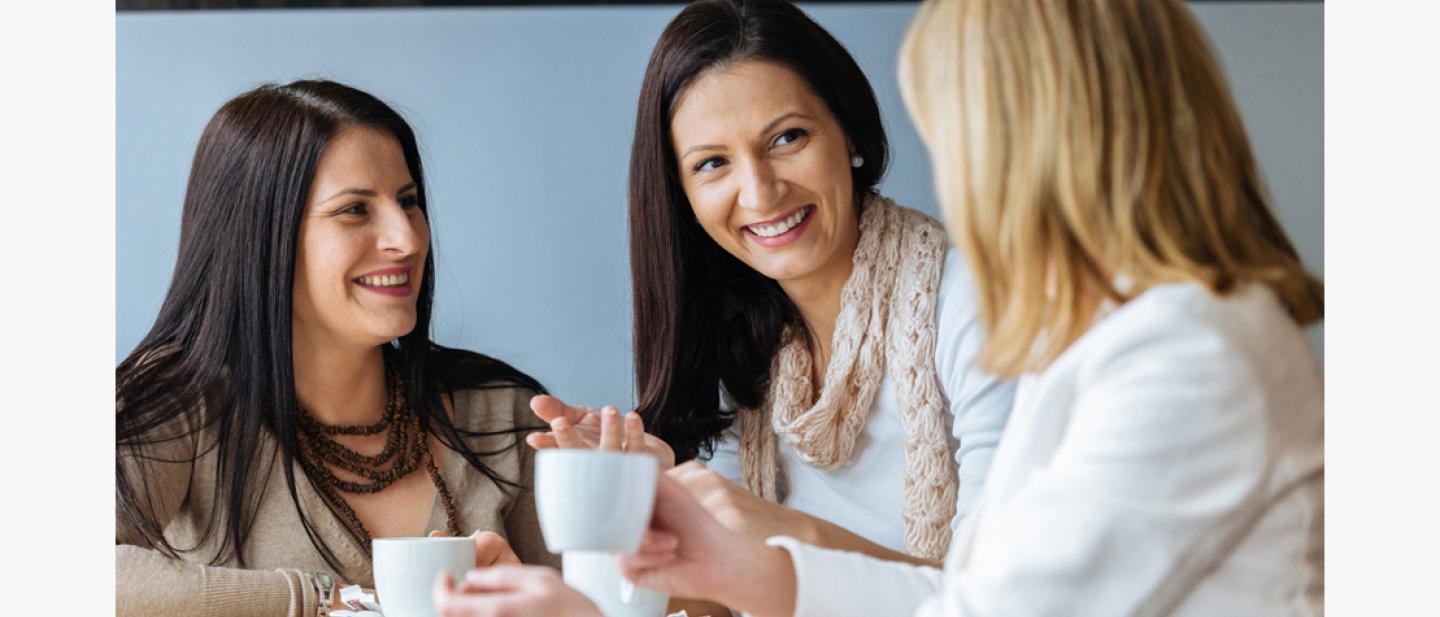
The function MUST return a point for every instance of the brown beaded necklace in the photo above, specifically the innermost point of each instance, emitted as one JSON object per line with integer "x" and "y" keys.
{"x": 406, "y": 448}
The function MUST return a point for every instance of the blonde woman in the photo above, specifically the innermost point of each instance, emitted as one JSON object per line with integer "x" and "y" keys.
{"x": 1164, "y": 455}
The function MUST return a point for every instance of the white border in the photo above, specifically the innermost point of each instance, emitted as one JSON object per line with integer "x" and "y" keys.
{"x": 1383, "y": 335}
{"x": 58, "y": 226}
{"x": 1382, "y": 128}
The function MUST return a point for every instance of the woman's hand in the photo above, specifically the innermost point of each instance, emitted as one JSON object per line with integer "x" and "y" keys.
{"x": 741, "y": 511}
{"x": 491, "y": 549}
{"x": 602, "y": 429}
{"x": 687, "y": 553}
{"x": 509, "y": 591}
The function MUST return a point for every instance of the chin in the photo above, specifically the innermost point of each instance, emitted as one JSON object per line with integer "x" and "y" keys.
{"x": 785, "y": 270}
{"x": 393, "y": 330}
{"x": 792, "y": 264}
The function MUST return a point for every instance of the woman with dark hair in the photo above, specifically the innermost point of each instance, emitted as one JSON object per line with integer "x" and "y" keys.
{"x": 288, "y": 404}
{"x": 808, "y": 338}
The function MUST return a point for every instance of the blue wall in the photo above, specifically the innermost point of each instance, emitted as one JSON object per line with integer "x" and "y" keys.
{"x": 524, "y": 117}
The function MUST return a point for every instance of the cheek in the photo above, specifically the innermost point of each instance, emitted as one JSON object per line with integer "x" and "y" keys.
{"x": 712, "y": 212}
{"x": 325, "y": 263}
{"x": 422, "y": 231}
{"x": 839, "y": 193}
{"x": 828, "y": 171}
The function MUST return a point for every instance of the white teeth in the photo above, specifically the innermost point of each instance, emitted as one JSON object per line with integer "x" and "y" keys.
{"x": 770, "y": 231}
{"x": 385, "y": 281}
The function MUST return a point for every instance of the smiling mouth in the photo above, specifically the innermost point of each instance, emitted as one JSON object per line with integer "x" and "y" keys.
{"x": 388, "y": 280}
{"x": 771, "y": 230}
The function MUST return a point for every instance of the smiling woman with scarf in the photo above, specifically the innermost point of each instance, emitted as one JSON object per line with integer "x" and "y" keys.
{"x": 807, "y": 338}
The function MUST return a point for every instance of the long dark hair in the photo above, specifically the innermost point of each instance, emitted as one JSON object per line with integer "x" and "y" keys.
{"x": 704, "y": 319}
{"x": 219, "y": 353}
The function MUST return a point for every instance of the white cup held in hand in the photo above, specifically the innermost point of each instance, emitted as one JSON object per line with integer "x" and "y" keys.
{"x": 405, "y": 571}
{"x": 598, "y": 577}
{"x": 591, "y": 500}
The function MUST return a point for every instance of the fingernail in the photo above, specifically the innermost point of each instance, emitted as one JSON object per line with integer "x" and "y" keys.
{"x": 475, "y": 534}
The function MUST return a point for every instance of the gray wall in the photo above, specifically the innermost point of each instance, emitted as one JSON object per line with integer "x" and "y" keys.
{"x": 524, "y": 117}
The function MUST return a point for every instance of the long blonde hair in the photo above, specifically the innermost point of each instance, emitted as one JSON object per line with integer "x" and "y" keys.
{"x": 1077, "y": 140}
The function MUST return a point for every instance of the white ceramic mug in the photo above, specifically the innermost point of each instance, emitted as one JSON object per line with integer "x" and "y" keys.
{"x": 592, "y": 500}
{"x": 405, "y": 571}
{"x": 598, "y": 577}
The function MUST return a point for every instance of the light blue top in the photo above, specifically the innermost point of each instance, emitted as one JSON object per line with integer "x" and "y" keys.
{"x": 866, "y": 494}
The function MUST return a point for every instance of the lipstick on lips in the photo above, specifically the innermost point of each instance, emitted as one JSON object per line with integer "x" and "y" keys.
{"x": 781, "y": 230}
{"x": 387, "y": 281}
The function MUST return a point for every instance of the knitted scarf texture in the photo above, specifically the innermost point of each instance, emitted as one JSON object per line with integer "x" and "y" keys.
{"x": 886, "y": 326}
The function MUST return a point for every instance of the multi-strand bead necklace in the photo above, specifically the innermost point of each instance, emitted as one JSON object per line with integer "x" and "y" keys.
{"x": 406, "y": 448}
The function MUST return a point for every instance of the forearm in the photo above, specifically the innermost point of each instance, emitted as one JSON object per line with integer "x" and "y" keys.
{"x": 765, "y": 587}
{"x": 147, "y": 583}
{"x": 825, "y": 534}
{"x": 829, "y": 583}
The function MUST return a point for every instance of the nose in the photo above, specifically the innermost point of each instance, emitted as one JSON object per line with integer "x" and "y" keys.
{"x": 400, "y": 233}
{"x": 759, "y": 187}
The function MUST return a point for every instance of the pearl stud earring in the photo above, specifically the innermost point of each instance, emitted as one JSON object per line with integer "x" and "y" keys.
{"x": 856, "y": 160}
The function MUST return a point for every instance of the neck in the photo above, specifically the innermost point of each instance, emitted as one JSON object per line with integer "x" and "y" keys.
{"x": 817, "y": 297}
{"x": 340, "y": 385}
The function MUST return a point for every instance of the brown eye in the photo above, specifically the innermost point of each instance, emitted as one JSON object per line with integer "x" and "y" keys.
{"x": 791, "y": 136}
{"x": 358, "y": 208}
{"x": 710, "y": 164}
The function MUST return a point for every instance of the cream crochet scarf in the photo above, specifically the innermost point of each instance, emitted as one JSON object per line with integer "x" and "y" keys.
{"x": 889, "y": 300}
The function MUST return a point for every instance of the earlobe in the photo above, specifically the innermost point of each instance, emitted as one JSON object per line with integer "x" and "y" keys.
{"x": 855, "y": 159}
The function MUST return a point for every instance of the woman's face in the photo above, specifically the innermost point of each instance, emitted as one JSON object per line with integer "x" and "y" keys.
{"x": 766, "y": 168}
{"x": 363, "y": 242}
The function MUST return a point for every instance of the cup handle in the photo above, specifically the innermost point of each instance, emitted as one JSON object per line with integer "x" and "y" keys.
{"x": 627, "y": 591}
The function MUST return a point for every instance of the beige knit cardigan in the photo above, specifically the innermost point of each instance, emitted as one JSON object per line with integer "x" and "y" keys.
{"x": 280, "y": 557}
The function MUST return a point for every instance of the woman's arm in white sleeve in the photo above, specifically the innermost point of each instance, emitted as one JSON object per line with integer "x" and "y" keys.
{"x": 833, "y": 583}
{"x": 1161, "y": 464}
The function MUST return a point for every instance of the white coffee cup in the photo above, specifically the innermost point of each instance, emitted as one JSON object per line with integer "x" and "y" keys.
{"x": 598, "y": 577}
{"x": 592, "y": 500}
{"x": 405, "y": 571}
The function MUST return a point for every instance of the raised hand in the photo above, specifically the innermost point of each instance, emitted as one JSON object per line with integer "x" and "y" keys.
{"x": 596, "y": 429}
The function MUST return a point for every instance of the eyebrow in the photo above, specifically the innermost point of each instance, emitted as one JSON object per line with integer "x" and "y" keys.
{"x": 768, "y": 127}
{"x": 366, "y": 192}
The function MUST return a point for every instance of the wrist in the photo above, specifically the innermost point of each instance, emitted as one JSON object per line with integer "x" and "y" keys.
{"x": 772, "y": 589}
{"x": 325, "y": 595}
{"x": 815, "y": 532}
